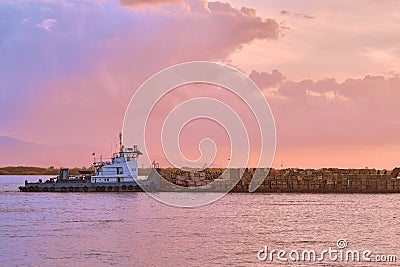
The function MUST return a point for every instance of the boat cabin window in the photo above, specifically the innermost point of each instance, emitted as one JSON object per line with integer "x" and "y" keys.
{"x": 120, "y": 170}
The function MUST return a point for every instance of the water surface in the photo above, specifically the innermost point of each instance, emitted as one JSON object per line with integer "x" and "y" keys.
{"x": 132, "y": 229}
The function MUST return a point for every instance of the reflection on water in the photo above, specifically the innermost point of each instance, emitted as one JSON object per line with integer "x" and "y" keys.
{"x": 132, "y": 229}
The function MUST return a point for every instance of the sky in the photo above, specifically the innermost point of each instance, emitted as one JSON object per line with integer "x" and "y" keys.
{"x": 330, "y": 71}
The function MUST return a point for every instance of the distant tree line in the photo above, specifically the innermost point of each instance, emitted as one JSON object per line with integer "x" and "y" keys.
{"x": 29, "y": 170}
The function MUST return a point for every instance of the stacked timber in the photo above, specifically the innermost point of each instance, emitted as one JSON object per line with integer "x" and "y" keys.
{"x": 324, "y": 180}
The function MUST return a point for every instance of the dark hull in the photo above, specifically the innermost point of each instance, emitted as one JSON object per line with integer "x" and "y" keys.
{"x": 70, "y": 187}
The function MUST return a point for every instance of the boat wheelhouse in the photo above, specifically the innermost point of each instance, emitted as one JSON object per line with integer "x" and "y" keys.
{"x": 122, "y": 168}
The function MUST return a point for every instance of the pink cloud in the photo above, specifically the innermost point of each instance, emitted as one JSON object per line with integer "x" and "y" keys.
{"x": 284, "y": 12}
{"x": 135, "y": 3}
{"x": 80, "y": 98}
{"x": 47, "y": 24}
{"x": 267, "y": 80}
{"x": 328, "y": 118}
{"x": 248, "y": 11}
{"x": 90, "y": 105}
{"x": 305, "y": 16}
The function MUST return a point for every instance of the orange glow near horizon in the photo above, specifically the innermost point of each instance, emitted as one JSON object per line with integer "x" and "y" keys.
{"x": 330, "y": 73}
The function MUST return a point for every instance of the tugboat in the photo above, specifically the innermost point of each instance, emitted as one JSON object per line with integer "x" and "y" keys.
{"x": 118, "y": 175}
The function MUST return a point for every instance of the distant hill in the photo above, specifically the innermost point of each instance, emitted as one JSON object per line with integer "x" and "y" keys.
{"x": 15, "y": 152}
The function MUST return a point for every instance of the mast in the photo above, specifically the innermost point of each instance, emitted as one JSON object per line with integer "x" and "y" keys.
{"x": 121, "y": 149}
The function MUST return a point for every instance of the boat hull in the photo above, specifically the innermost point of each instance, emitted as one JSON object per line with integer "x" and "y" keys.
{"x": 71, "y": 187}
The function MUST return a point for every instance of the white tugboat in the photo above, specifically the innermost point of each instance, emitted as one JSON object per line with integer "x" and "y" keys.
{"x": 118, "y": 175}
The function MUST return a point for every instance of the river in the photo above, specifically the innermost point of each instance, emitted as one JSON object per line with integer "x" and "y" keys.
{"x": 132, "y": 229}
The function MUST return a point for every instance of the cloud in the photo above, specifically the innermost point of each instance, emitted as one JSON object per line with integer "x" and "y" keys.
{"x": 79, "y": 79}
{"x": 266, "y": 80}
{"x": 135, "y": 3}
{"x": 328, "y": 46}
{"x": 322, "y": 123}
{"x": 330, "y": 95}
{"x": 392, "y": 73}
{"x": 248, "y": 11}
{"x": 85, "y": 73}
{"x": 305, "y": 16}
{"x": 356, "y": 112}
{"x": 47, "y": 24}
{"x": 284, "y": 12}
{"x": 24, "y": 21}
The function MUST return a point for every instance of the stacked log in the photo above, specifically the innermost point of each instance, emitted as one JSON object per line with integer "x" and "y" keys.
{"x": 291, "y": 180}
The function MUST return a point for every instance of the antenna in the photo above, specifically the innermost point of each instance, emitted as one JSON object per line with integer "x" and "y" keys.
{"x": 120, "y": 143}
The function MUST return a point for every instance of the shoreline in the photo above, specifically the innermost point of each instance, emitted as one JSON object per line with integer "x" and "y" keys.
{"x": 292, "y": 180}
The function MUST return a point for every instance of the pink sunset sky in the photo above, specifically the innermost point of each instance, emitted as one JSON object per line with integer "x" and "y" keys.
{"x": 330, "y": 71}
